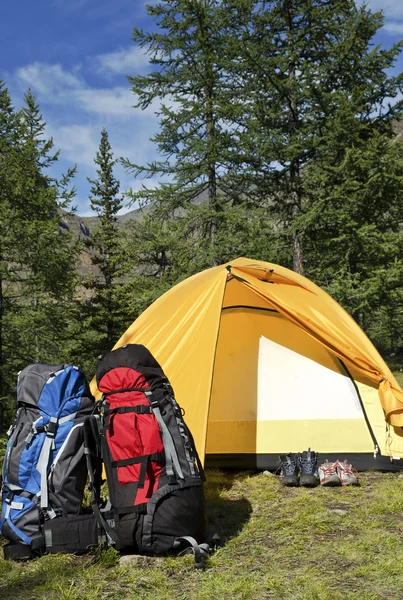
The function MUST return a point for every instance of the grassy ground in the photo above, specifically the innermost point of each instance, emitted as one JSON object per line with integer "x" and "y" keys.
{"x": 280, "y": 543}
{"x": 291, "y": 543}
{"x": 399, "y": 377}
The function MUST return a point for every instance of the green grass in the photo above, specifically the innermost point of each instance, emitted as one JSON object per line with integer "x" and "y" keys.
{"x": 395, "y": 364}
{"x": 399, "y": 377}
{"x": 280, "y": 543}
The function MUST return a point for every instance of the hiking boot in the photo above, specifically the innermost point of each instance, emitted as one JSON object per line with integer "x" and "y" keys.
{"x": 308, "y": 474}
{"x": 345, "y": 473}
{"x": 289, "y": 470}
{"x": 328, "y": 474}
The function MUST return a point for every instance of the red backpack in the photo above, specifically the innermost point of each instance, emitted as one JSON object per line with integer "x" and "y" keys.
{"x": 154, "y": 474}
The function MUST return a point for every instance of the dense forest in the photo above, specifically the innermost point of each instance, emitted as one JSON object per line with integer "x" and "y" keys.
{"x": 277, "y": 140}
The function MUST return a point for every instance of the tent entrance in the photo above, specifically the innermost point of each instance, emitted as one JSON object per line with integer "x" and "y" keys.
{"x": 276, "y": 390}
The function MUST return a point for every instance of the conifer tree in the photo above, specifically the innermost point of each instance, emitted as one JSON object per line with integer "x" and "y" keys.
{"x": 8, "y": 152}
{"x": 106, "y": 307}
{"x": 298, "y": 89}
{"x": 37, "y": 260}
{"x": 354, "y": 235}
{"x": 189, "y": 83}
{"x": 302, "y": 64}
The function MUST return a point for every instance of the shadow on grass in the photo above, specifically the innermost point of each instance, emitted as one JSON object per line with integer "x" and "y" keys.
{"x": 227, "y": 508}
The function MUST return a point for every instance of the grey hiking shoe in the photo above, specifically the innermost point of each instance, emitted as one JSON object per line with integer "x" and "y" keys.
{"x": 308, "y": 469}
{"x": 289, "y": 470}
{"x": 328, "y": 474}
{"x": 345, "y": 473}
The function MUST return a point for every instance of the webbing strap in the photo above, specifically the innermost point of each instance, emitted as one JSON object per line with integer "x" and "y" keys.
{"x": 140, "y": 409}
{"x": 125, "y": 462}
{"x": 143, "y": 473}
{"x": 200, "y": 551}
{"x": 130, "y": 389}
{"x": 90, "y": 427}
{"x": 18, "y": 491}
{"x": 43, "y": 460}
{"x": 67, "y": 418}
{"x": 137, "y": 508}
{"x": 144, "y": 460}
{"x": 198, "y": 461}
{"x": 171, "y": 456}
{"x": 35, "y": 429}
{"x": 42, "y": 466}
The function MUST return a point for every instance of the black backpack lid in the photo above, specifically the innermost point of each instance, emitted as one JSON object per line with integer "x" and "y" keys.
{"x": 132, "y": 356}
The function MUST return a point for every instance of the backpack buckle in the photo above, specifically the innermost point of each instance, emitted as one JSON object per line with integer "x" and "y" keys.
{"x": 51, "y": 429}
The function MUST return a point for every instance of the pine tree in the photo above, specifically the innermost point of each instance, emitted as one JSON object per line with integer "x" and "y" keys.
{"x": 8, "y": 154}
{"x": 299, "y": 95}
{"x": 299, "y": 63}
{"x": 189, "y": 81}
{"x": 106, "y": 316}
{"x": 354, "y": 233}
{"x": 37, "y": 260}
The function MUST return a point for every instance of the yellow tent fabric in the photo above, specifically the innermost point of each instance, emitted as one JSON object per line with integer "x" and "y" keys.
{"x": 211, "y": 333}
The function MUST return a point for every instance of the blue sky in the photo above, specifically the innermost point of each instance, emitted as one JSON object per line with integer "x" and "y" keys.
{"x": 75, "y": 55}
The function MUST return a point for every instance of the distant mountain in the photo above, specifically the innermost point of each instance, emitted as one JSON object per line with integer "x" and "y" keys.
{"x": 82, "y": 226}
{"x": 399, "y": 129}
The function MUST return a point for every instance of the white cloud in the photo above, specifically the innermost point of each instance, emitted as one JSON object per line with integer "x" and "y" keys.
{"x": 48, "y": 79}
{"x": 103, "y": 101}
{"x": 78, "y": 143}
{"x": 394, "y": 27}
{"x": 126, "y": 61}
{"x": 135, "y": 185}
{"x": 391, "y": 8}
{"x": 76, "y": 109}
{"x": 56, "y": 85}
{"x": 393, "y": 13}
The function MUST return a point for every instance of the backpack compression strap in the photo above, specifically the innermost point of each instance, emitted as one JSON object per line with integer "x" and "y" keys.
{"x": 173, "y": 468}
{"x": 43, "y": 460}
{"x": 91, "y": 450}
{"x": 200, "y": 551}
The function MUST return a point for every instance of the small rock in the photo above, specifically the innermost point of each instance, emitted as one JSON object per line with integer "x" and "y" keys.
{"x": 136, "y": 560}
{"x": 338, "y": 511}
{"x": 268, "y": 473}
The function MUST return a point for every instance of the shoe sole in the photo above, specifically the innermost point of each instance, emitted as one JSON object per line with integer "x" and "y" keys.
{"x": 290, "y": 481}
{"x": 309, "y": 481}
{"x": 331, "y": 483}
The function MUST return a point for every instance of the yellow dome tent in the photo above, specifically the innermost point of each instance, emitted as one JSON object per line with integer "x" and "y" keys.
{"x": 265, "y": 362}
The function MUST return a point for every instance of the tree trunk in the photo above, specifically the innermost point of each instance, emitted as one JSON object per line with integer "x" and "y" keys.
{"x": 295, "y": 175}
{"x": 212, "y": 175}
{"x": 210, "y": 127}
{"x": 1, "y": 356}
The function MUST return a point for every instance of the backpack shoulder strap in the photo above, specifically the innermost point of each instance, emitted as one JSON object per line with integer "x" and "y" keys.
{"x": 43, "y": 461}
{"x": 92, "y": 453}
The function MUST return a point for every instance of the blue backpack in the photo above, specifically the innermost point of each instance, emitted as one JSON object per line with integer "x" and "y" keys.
{"x": 44, "y": 472}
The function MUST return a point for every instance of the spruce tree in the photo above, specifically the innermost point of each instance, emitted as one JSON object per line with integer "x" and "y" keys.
{"x": 37, "y": 259}
{"x": 106, "y": 314}
{"x": 354, "y": 235}
{"x": 298, "y": 88}
{"x": 298, "y": 63}
{"x": 8, "y": 156}
{"x": 189, "y": 83}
